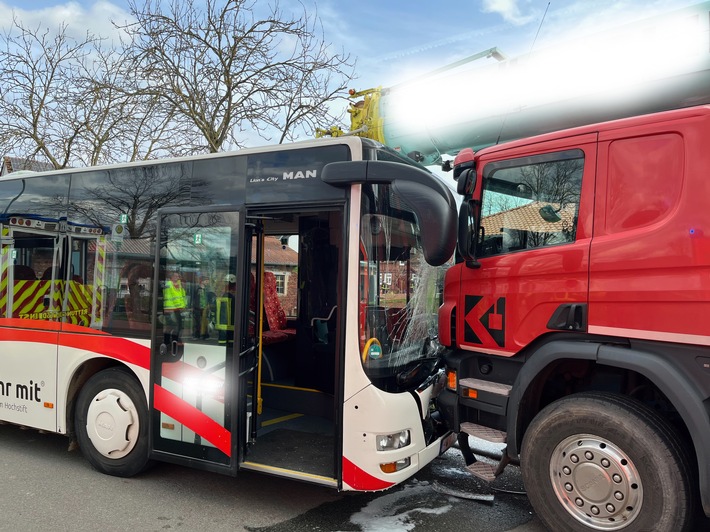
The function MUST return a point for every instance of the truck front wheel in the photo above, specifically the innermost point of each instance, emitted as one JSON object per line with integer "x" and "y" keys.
{"x": 111, "y": 423}
{"x": 600, "y": 461}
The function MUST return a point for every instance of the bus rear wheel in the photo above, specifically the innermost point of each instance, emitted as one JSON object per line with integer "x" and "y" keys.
{"x": 111, "y": 423}
{"x": 600, "y": 461}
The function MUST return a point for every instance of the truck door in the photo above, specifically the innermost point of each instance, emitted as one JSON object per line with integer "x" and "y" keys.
{"x": 533, "y": 245}
{"x": 198, "y": 304}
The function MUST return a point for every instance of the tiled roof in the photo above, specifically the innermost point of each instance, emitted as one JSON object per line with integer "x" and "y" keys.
{"x": 139, "y": 246}
{"x": 277, "y": 254}
{"x": 528, "y": 218}
{"x": 274, "y": 253}
{"x": 15, "y": 164}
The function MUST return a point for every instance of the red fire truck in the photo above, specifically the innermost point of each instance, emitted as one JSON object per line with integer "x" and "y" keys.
{"x": 576, "y": 319}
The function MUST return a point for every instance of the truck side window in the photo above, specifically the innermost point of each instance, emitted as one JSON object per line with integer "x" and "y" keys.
{"x": 530, "y": 202}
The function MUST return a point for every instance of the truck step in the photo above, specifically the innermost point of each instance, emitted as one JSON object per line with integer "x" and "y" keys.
{"x": 484, "y": 433}
{"x": 486, "y": 386}
{"x": 483, "y": 471}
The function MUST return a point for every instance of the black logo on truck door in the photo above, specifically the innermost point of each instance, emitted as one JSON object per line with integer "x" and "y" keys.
{"x": 484, "y": 320}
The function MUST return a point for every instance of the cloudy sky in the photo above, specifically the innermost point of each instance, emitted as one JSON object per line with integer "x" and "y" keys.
{"x": 395, "y": 40}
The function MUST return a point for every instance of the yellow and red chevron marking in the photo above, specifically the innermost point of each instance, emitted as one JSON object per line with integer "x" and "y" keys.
{"x": 79, "y": 300}
{"x": 4, "y": 262}
{"x": 30, "y": 298}
{"x": 99, "y": 275}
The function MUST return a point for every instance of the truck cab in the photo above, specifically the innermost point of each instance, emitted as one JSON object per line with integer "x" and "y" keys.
{"x": 575, "y": 319}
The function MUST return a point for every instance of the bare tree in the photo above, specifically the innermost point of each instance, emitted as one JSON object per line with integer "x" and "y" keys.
{"x": 558, "y": 182}
{"x": 126, "y": 124}
{"x": 226, "y": 70}
{"x": 75, "y": 102}
{"x": 38, "y": 112}
{"x": 310, "y": 85}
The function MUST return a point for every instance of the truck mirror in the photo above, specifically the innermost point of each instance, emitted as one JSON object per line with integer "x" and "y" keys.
{"x": 468, "y": 232}
{"x": 466, "y": 182}
{"x": 549, "y": 214}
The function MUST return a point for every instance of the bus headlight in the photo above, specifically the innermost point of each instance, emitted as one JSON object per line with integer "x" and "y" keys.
{"x": 388, "y": 442}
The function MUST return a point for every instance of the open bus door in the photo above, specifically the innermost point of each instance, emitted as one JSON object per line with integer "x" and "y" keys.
{"x": 197, "y": 398}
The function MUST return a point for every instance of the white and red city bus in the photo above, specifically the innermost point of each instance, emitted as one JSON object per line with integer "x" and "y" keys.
{"x": 271, "y": 309}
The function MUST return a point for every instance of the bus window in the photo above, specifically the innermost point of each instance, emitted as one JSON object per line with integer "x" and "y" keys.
{"x": 118, "y": 262}
{"x": 33, "y": 214}
{"x": 400, "y": 292}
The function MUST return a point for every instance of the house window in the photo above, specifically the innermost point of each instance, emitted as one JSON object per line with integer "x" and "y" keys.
{"x": 386, "y": 278}
{"x": 280, "y": 283}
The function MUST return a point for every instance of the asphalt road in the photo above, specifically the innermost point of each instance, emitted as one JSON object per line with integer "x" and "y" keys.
{"x": 46, "y": 487}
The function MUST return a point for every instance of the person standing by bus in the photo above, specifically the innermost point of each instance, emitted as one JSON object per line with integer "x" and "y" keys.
{"x": 174, "y": 302}
{"x": 201, "y": 303}
{"x": 225, "y": 308}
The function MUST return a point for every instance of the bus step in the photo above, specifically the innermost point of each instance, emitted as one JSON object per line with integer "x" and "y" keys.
{"x": 483, "y": 471}
{"x": 484, "y": 433}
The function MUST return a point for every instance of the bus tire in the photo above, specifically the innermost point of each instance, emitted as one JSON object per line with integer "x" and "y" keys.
{"x": 600, "y": 461}
{"x": 111, "y": 423}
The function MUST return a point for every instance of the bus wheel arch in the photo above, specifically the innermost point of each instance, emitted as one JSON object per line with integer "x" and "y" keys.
{"x": 579, "y": 451}
{"x": 80, "y": 375}
{"x": 111, "y": 423}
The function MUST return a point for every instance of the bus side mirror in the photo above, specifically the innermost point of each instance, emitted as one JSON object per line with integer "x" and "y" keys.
{"x": 428, "y": 197}
{"x": 468, "y": 233}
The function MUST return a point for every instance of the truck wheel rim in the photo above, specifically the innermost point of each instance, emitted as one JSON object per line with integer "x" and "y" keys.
{"x": 596, "y": 482}
{"x": 112, "y": 423}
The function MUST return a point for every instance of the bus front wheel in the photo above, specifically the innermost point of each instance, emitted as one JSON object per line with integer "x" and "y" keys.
{"x": 111, "y": 423}
{"x": 600, "y": 461}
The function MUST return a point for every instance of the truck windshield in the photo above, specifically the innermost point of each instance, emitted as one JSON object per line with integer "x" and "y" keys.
{"x": 399, "y": 294}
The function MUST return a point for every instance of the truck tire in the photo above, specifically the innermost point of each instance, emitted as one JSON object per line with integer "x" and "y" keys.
{"x": 111, "y": 423}
{"x": 600, "y": 461}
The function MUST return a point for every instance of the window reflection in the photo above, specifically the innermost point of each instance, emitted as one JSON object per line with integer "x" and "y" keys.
{"x": 530, "y": 203}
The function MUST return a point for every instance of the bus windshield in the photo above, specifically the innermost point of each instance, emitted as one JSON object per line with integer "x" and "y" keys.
{"x": 399, "y": 294}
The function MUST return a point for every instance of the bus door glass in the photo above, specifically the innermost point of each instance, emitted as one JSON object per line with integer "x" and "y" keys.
{"x": 193, "y": 365}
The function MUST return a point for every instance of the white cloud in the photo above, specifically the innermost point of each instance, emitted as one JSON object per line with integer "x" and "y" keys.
{"x": 96, "y": 18}
{"x": 510, "y": 10}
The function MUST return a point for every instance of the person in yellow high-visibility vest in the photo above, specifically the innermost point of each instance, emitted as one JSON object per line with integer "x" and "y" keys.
{"x": 174, "y": 301}
{"x": 225, "y": 308}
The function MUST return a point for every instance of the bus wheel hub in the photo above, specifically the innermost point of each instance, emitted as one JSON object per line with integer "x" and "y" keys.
{"x": 112, "y": 423}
